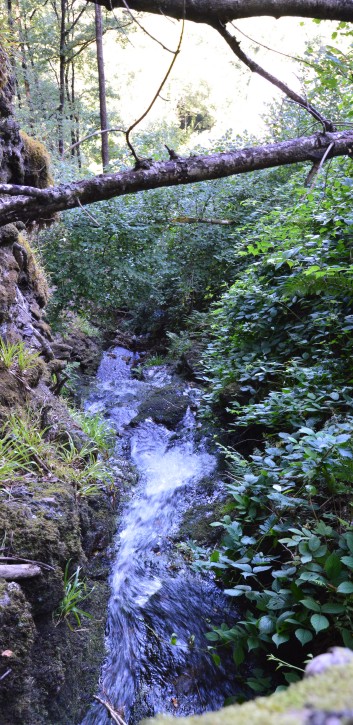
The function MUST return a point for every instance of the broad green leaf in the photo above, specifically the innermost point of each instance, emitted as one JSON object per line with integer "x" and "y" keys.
{"x": 303, "y": 635}
{"x": 310, "y": 603}
{"x": 319, "y": 622}
{"x": 345, "y": 588}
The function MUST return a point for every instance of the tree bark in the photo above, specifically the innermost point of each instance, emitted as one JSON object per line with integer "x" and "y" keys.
{"x": 101, "y": 86}
{"x": 210, "y": 11}
{"x": 62, "y": 65}
{"x": 27, "y": 204}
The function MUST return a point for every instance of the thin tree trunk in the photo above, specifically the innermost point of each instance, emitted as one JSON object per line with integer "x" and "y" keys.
{"x": 101, "y": 83}
{"x": 11, "y": 53}
{"x": 62, "y": 54}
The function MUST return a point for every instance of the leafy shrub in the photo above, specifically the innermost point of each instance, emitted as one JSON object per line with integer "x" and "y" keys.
{"x": 287, "y": 546}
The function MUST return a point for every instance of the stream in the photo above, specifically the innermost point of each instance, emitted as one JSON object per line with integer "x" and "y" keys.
{"x": 159, "y": 609}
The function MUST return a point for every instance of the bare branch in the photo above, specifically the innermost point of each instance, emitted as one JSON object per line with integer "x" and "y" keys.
{"x": 144, "y": 29}
{"x": 90, "y": 135}
{"x": 312, "y": 175}
{"x": 256, "y": 68}
{"x": 127, "y": 135}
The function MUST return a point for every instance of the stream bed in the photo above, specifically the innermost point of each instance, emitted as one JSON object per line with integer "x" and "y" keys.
{"x": 159, "y": 610}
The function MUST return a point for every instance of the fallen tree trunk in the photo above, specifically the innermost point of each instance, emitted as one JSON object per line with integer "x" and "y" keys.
{"x": 207, "y": 11}
{"x": 27, "y": 204}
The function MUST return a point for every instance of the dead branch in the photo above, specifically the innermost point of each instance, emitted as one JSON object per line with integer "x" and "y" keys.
{"x": 127, "y": 135}
{"x": 176, "y": 172}
{"x": 90, "y": 135}
{"x": 12, "y": 572}
{"x": 256, "y": 68}
{"x": 312, "y": 175}
{"x": 113, "y": 713}
{"x": 27, "y": 561}
{"x": 134, "y": 20}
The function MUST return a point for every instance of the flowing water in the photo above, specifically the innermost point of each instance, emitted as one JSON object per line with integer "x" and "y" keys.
{"x": 159, "y": 609}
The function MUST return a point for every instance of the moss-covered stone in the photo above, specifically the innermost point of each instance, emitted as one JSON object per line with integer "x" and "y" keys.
{"x": 37, "y": 162}
{"x": 329, "y": 692}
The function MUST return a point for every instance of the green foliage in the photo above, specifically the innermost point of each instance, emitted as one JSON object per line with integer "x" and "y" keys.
{"x": 278, "y": 368}
{"x": 286, "y": 548}
{"x": 101, "y": 435}
{"x": 17, "y": 355}
{"x": 25, "y": 450}
{"x": 76, "y": 591}
{"x": 140, "y": 259}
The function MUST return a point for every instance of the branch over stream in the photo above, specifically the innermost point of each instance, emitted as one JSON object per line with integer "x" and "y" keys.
{"x": 19, "y": 203}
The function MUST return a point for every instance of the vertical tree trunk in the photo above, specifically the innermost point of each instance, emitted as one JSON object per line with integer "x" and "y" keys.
{"x": 62, "y": 64}
{"x": 101, "y": 82}
{"x": 11, "y": 53}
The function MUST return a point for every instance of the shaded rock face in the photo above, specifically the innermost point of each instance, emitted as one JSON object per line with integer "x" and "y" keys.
{"x": 47, "y": 672}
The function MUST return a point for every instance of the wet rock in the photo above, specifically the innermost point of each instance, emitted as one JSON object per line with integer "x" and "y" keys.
{"x": 166, "y": 405}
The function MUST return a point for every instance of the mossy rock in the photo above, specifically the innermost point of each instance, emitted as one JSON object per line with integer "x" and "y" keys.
{"x": 166, "y": 405}
{"x": 331, "y": 692}
{"x": 37, "y": 162}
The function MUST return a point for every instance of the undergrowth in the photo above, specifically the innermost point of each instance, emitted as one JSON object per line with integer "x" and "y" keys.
{"x": 277, "y": 366}
{"x": 26, "y": 449}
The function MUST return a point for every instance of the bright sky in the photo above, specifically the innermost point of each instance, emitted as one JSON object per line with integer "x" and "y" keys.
{"x": 239, "y": 96}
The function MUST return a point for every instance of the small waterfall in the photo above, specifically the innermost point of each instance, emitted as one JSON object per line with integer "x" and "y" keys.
{"x": 157, "y": 659}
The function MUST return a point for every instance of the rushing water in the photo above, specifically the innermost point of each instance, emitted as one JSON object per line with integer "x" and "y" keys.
{"x": 155, "y": 597}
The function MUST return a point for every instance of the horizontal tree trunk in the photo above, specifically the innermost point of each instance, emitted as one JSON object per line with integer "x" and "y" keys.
{"x": 208, "y": 11}
{"x": 19, "y": 571}
{"x": 27, "y": 204}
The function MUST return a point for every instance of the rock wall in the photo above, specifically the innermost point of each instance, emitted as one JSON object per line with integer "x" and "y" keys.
{"x": 48, "y": 673}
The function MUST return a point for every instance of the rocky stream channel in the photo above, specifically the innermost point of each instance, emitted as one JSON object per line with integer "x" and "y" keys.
{"x": 156, "y": 652}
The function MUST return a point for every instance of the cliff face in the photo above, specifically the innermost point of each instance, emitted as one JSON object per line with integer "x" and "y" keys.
{"x": 47, "y": 672}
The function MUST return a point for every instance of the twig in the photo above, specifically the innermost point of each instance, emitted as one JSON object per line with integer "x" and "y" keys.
{"x": 273, "y": 50}
{"x": 256, "y": 68}
{"x": 5, "y": 674}
{"x": 90, "y": 135}
{"x": 113, "y": 713}
{"x": 127, "y": 135}
{"x": 312, "y": 176}
{"x": 90, "y": 216}
{"x": 144, "y": 29}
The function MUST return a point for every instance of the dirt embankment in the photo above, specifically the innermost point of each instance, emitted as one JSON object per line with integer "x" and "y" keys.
{"x": 47, "y": 671}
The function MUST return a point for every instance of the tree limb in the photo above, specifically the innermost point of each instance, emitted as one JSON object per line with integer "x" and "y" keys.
{"x": 256, "y": 68}
{"x": 47, "y": 202}
{"x": 209, "y": 11}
